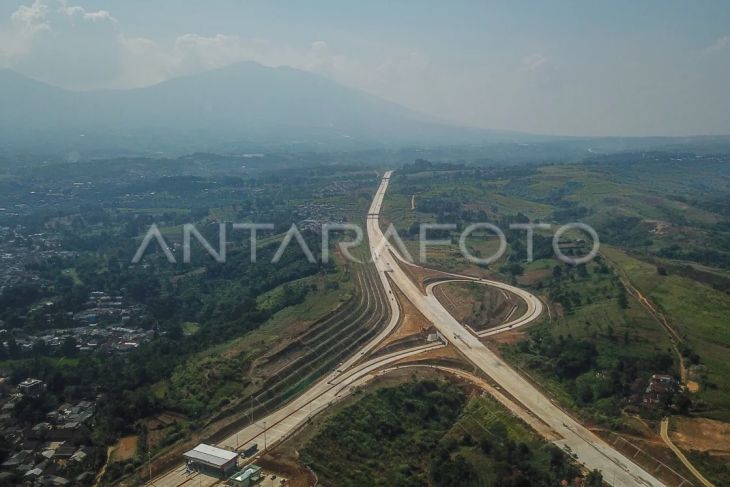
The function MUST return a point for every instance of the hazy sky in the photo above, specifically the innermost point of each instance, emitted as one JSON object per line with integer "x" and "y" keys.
{"x": 613, "y": 67}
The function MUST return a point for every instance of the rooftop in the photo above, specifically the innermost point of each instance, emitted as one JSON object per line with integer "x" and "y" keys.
{"x": 210, "y": 455}
{"x": 246, "y": 473}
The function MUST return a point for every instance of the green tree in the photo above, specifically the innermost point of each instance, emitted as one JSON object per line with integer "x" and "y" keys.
{"x": 594, "y": 479}
{"x": 68, "y": 347}
{"x": 557, "y": 272}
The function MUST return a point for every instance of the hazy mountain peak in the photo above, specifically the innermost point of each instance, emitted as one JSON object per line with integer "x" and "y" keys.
{"x": 239, "y": 106}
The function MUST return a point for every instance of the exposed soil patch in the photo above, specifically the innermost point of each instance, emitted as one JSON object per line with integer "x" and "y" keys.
{"x": 448, "y": 351}
{"x": 479, "y": 306}
{"x": 125, "y": 449}
{"x": 283, "y": 463}
{"x": 419, "y": 275}
{"x": 412, "y": 321}
{"x": 195, "y": 272}
{"x": 648, "y": 452}
{"x": 707, "y": 435}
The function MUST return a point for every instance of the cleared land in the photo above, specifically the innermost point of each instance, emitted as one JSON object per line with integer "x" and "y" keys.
{"x": 478, "y": 306}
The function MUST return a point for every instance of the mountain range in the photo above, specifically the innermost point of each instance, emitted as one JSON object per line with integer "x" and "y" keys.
{"x": 239, "y": 107}
{"x": 248, "y": 107}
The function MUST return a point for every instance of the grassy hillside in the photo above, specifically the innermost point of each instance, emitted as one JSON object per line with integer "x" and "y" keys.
{"x": 430, "y": 433}
{"x": 663, "y": 223}
{"x": 663, "y": 220}
{"x": 700, "y": 313}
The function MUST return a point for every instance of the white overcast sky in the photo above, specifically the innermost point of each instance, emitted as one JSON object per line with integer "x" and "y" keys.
{"x": 613, "y": 67}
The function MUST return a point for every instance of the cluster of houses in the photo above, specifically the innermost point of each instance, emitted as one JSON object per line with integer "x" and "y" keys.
{"x": 17, "y": 250}
{"x": 337, "y": 188}
{"x": 12, "y": 271}
{"x": 660, "y": 389}
{"x": 55, "y": 452}
{"x": 118, "y": 333}
{"x": 88, "y": 339}
{"x": 317, "y": 214}
{"x": 101, "y": 308}
{"x": 106, "y": 325}
{"x": 13, "y": 261}
{"x": 659, "y": 392}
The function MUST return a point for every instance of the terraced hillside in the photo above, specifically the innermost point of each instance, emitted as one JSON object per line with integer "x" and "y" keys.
{"x": 326, "y": 343}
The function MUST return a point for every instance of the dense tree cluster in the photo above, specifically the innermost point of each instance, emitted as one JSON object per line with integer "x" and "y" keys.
{"x": 407, "y": 436}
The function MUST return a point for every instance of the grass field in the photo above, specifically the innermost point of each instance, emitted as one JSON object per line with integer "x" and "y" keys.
{"x": 479, "y": 306}
{"x": 700, "y": 313}
{"x": 586, "y": 309}
{"x": 662, "y": 220}
{"x": 672, "y": 215}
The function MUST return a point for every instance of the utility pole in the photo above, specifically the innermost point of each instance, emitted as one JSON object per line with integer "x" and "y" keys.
{"x": 149, "y": 458}
{"x": 264, "y": 435}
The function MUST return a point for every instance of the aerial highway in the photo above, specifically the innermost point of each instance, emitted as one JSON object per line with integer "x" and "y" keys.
{"x": 282, "y": 423}
{"x": 524, "y": 399}
{"x": 588, "y": 448}
{"x": 534, "y": 305}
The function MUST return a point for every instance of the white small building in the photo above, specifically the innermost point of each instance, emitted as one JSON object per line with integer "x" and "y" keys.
{"x": 249, "y": 476}
{"x": 32, "y": 387}
{"x": 211, "y": 460}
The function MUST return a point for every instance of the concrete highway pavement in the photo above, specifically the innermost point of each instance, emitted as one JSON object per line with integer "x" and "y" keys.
{"x": 318, "y": 397}
{"x": 588, "y": 448}
{"x": 495, "y": 392}
{"x": 534, "y": 305}
{"x": 280, "y": 424}
{"x": 285, "y": 421}
{"x": 276, "y": 427}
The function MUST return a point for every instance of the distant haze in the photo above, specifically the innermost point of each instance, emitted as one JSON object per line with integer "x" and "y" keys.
{"x": 656, "y": 67}
{"x": 245, "y": 105}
